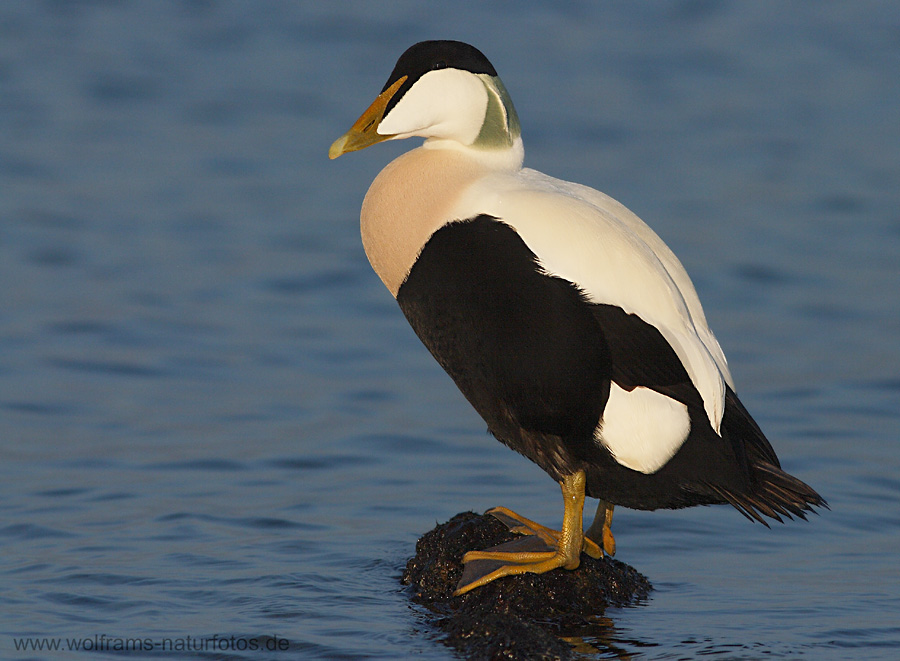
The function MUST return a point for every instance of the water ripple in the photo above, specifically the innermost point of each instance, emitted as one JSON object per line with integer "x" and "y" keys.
{"x": 30, "y": 531}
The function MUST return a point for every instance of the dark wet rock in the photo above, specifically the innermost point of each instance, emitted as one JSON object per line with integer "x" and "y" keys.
{"x": 515, "y": 617}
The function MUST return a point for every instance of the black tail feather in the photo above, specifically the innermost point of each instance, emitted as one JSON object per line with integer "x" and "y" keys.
{"x": 768, "y": 491}
{"x": 776, "y": 494}
{"x": 738, "y": 504}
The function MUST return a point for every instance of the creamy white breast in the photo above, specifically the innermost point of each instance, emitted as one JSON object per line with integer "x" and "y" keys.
{"x": 409, "y": 200}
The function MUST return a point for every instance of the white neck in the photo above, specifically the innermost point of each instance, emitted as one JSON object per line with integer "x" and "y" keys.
{"x": 491, "y": 159}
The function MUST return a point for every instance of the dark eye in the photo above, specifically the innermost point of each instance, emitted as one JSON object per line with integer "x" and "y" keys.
{"x": 439, "y": 65}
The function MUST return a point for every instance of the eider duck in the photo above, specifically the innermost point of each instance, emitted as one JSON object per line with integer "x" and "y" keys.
{"x": 566, "y": 322}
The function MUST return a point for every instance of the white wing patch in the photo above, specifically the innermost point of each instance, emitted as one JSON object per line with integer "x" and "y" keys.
{"x": 642, "y": 429}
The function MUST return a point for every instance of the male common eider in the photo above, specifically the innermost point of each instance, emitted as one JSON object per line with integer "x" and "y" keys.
{"x": 566, "y": 322}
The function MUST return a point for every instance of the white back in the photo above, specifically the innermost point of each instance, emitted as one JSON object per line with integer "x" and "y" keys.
{"x": 594, "y": 242}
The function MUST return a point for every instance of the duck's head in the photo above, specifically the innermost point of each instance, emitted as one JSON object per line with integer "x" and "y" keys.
{"x": 439, "y": 90}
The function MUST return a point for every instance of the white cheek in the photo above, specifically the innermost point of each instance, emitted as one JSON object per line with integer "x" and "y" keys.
{"x": 642, "y": 428}
{"x": 448, "y": 103}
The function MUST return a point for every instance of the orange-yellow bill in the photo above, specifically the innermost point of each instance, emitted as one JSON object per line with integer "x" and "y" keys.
{"x": 364, "y": 133}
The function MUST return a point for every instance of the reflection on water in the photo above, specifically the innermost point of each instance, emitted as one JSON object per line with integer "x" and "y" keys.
{"x": 216, "y": 422}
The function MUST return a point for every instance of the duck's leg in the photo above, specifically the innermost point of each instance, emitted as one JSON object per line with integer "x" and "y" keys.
{"x": 522, "y": 526}
{"x": 600, "y": 532}
{"x": 534, "y": 553}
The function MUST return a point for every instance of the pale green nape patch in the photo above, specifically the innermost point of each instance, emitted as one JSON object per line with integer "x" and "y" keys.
{"x": 501, "y": 123}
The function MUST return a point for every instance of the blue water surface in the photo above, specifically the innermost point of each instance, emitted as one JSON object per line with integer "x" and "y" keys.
{"x": 215, "y": 424}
